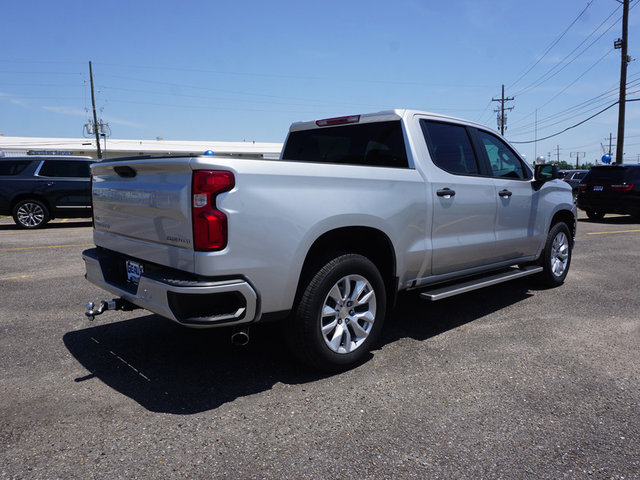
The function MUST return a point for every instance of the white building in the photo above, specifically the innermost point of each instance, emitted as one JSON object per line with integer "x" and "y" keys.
{"x": 24, "y": 146}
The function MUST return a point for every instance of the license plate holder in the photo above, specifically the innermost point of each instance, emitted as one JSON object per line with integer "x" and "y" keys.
{"x": 134, "y": 270}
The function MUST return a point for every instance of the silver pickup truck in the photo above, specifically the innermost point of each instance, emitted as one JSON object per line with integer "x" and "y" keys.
{"x": 356, "y": 209}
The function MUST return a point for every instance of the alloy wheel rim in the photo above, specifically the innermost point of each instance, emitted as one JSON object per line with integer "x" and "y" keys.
{"x": 559, "y": 254}
{"x": 348, "y": 314}
{"x": 30, "y": 214}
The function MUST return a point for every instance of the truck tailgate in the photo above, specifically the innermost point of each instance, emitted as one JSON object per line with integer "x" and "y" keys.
{"x": 142, "y": 207}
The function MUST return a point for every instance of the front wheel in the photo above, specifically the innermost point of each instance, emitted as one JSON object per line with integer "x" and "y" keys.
{"x": 556, "y": 256}
{"x": 339, "y": 315}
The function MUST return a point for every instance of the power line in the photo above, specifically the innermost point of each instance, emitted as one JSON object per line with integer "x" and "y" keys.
{"x": 549, "y": 74}
{"x": 578, "y": 78}
{"x": 552, "y": 45}
{"x": 351, "y": 79}
{"x": 573, "y": 111}
{"x": 577, "y": 124}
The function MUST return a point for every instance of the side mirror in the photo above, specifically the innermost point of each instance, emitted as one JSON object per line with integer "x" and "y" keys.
{"x": 545, "y": 172}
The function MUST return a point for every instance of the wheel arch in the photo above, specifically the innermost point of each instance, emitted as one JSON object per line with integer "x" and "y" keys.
{"x": 378, "y": 248}
{"x": 567, "y": 217}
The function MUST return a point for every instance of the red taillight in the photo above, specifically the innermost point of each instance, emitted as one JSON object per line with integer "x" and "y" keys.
{"x": 209, "y": 223}
{"x": 623, "y": 187}
{"x": 582, "y": 187}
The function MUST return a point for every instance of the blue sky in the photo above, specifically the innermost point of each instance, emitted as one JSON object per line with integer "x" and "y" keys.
{"x": 245, "y": 70}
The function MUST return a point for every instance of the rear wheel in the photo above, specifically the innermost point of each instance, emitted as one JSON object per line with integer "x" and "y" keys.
{"x": 595, "y": 214}
{"x": 30, "y": 214}
{"x": 339, "y": 315}
{"x": 556, "y": 256}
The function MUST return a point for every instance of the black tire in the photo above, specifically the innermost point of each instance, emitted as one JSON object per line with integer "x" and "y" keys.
{"x": 595, "y": 214}
{"x": 556, "y": 256}
{"x": 30, "y": 214}
{"x": 354, "y": 321}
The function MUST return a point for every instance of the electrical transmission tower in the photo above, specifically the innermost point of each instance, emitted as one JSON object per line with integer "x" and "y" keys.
{"x": 502, "y": 117}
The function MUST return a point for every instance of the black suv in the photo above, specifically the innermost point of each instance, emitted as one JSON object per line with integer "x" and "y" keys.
{"x": 35, "y": 190}
{"x": 610, "y": 189}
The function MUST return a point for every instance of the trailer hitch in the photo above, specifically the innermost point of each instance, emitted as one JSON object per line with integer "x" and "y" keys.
{"x": 104, "y": 305}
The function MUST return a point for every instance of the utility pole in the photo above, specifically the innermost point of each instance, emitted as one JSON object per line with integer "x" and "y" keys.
{"x": 535, "y": 144}
{"x": 95, "y": 117}
{"x": 558, "y": 154}
{"x": 609, "y": 143}
{"x": 577, "y": 155}
{"x": 622, "y": 43}
{"x": 502, "y": 119}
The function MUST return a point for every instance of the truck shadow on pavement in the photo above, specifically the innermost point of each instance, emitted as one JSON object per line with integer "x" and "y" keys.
{"x": 171, "y": 369}
{"x": 48, "y": 226}
{"x": 613, "y": 220}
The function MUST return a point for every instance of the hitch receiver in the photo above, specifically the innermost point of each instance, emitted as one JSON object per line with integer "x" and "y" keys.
{"x": 115, "y": 304}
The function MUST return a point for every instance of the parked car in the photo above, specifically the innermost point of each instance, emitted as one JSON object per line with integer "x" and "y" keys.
{"x": 573, "y": 177}
{"x": 35, "y": 190}
{"x": 610, "y": 189}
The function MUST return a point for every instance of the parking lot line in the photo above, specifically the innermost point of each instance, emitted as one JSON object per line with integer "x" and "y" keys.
{"x": 612, "y": 232}
{"x": 19, "y": 277}
{"x": 45, "y": 246}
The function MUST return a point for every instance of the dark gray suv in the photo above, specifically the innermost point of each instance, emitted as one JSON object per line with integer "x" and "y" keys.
{"x": 573, "y": 177}
{"x": 35, "y": 190}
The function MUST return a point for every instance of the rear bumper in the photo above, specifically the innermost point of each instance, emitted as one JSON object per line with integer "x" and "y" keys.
{"x": 187, "y": 299}
{"x": 621, "y": 204}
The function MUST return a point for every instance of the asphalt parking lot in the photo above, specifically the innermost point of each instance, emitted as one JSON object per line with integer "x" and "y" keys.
{"x": 510, "y": 382}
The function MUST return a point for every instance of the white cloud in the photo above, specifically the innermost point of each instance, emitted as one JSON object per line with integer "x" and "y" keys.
{"x": 126, "y": 123}
{"x": 12, "y": 99}
{"x": 79, "y": 112}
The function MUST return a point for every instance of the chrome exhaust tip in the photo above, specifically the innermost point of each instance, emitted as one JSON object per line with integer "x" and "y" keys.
{"x": 240, "y": 338}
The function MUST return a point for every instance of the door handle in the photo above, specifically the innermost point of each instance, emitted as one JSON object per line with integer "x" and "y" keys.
{"x": 50, "y": 184}
{"x": 446, "y": 193}
{"x": 505, "y": 193}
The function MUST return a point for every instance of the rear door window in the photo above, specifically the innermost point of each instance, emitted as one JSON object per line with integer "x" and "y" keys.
{"x": 450, "y": 147}
{"x": 379, "y": 144}
{"x": 65, "y": 169}
{"x": 13, "y": 167}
